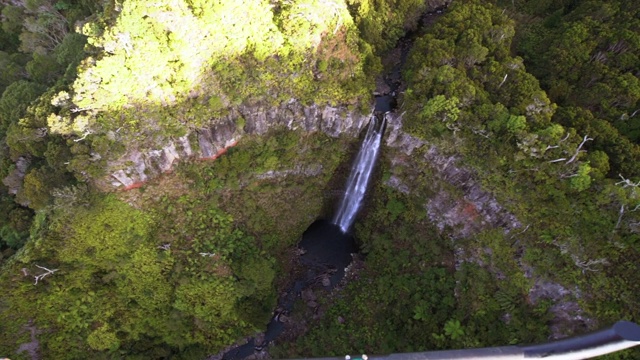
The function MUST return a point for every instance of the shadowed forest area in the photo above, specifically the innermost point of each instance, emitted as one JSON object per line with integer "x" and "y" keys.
{"x": 535, "y": 102}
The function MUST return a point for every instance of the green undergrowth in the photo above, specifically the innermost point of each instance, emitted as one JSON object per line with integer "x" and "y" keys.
{"x": 408, "y": 295}
{"x": 555, "y": 165}
{"x": 275, "y": 186}
{"x": 181, "y": 267}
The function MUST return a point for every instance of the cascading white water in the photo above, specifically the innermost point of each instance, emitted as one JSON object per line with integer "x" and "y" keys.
{"x": 360, "y": 174}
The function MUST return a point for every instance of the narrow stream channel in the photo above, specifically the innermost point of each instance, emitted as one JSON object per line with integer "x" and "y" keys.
{"x": 325, "y": 253}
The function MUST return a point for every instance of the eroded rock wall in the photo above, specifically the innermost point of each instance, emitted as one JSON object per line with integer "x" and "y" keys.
{"x": 467, "y": 213}
{"x": 138, "y": 166}
{"x": 463, "y": 208}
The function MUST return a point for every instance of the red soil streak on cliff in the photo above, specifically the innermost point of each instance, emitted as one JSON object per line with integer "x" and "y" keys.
{"x": 220, "y": 152}
{"x": 470, "y": 210}
{"x": 135, "y": 185}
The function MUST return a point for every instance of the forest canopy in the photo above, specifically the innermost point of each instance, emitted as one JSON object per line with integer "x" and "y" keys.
{"x": 538, "y": 100}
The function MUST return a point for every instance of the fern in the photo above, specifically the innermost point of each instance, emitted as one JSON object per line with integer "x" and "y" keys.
{"x": 506, "y": 301}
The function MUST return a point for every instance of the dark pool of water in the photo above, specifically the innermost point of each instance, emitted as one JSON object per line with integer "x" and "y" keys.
{"x": 328, "y": 251}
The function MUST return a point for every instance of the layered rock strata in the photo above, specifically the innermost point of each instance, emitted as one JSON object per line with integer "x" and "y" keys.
{"x": 138, "y": 166}
{"x": 469, "y": 209}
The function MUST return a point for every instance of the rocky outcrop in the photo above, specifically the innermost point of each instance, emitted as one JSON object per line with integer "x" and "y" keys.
{"x": 311, "y": 170}
{"x": 477, "y": 209}
{"x": 474, "y": 210}
{"x": 32, "y": 348}
{"x": 333, "y": 121}
{"x": 568, "y": 316}
{"x": 14, "y": 180}
{"x": 140, "y": 165}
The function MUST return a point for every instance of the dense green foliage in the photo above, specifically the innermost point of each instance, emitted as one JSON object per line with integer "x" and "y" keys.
{"x": 538, "y": 98}
{"x": 39, "y": 54}
{"x": 565, "y": 174}
{"x": 209, "y": 56}
{"x": 131, "y": 283}
{"x": 407, "y": 295}
{"x": 586, "y": 55}
{"x": 115, "y": 290}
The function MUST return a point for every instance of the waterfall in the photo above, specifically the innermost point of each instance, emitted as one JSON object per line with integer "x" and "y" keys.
{"x": 360, "y": 173}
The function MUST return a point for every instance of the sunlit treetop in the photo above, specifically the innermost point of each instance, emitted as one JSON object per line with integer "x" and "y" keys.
{"x": 159, "y": 52}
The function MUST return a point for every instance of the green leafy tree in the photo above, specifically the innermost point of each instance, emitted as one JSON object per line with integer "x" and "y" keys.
{"x": 44, "y": 69}
{"x": 36, "y": 191}
{"x": 14, "y": 223}
{"x": 382, "y": 23}
{"x": 516, "y": 124}
{"x": 15, "y": 100}
{"x": 13, "y": 16}
{"x": 13, "y": 69}
{"x": 581, "y": 180}
{"x": 442, "y": 109}
{"x": 103, "y": 339}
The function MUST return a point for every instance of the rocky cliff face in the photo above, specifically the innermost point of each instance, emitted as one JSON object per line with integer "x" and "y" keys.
{"x": 462, "y": 206}
{"x": 467, "y": 214}
{"x": 468, "y": 211}
{"x": 138, "y": 166}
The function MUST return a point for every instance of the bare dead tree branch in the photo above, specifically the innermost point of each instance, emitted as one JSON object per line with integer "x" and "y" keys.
{"x": 530, "y": 169}
{"x": 88, "y": 132}
{"x": 503, "y": 80}
{"x": 584, "y": 140}
{"x": 620, "y": 213}
{"x": 627, "y": 182}
{"x": 566, "y": 176}
{"x": 587, "y": 265}
{"x": 520, "y": 233}
{"x": 523, "y": 231}
{"x": 77, "y": 109}
{"x": 549, "y": 147}
{"x": 452, "y": 127}
{"x": 480, "y": 132}
{"x": 41, "y": 276}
